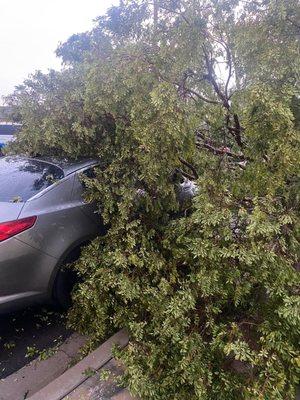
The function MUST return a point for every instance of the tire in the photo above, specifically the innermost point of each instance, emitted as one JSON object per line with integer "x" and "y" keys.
{"x": 65, "y": 281}
{"x": 62, "y": 288}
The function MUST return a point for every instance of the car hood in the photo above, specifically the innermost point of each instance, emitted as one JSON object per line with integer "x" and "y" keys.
{"x": 10, "y": 211}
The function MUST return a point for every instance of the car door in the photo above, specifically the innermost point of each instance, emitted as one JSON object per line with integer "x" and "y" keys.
{"x": 60, "y": 221}
{"x": 89, "y": 209}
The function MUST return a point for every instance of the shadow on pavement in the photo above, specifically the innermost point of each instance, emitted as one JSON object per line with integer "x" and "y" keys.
{"x": 25, "y": 334}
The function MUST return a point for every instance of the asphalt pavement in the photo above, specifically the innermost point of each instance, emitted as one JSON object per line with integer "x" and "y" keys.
{"x": 28, "y": 334}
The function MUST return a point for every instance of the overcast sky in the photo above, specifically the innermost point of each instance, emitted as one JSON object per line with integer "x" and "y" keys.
{"x": 30, "y": 31}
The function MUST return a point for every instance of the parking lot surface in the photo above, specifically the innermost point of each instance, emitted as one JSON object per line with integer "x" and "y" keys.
{"x": 27, "y": 334}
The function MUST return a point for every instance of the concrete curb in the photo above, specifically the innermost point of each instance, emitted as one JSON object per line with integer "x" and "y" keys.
{"x": 38, "y": 373}
{"x": 74, "y": 377}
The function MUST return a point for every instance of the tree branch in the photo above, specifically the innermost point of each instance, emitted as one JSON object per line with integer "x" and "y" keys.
{"x": 229, "y": 63}
{"x": 293, "y": 23}
{"x": 221, "y": 151}
{"x": 212, "y": 80}
{"x": 182, "y": 87}
{"x": 200, "y": 96}
{"x": 190, "y": 166}
{"x": 163, "y": 7}
{"x": 185, "y": 174}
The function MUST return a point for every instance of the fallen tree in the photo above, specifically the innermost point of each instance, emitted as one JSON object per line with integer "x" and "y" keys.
{"x": 200, "y": 90}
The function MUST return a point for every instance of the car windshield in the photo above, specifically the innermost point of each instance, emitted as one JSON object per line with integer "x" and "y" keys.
{"x": 21, "y": 178}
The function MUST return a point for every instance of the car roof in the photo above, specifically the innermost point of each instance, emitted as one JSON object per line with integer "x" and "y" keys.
{"x": 68, "y": 166}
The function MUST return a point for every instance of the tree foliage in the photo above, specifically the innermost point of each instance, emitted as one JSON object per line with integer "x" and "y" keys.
{"x": 203, "y": 90}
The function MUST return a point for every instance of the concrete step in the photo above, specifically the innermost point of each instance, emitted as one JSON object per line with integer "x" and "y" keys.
{"x": 37, "y": 374}
{"x": 83, "y": 380}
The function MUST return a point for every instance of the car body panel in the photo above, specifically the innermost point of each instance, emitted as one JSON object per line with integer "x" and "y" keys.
{"x": 88, "y": 209}
{"x": 23, "y": 270}
{"x": 69, "y": 167}
{"x": 30, "y": 260}
{"x": 58, "y": 215}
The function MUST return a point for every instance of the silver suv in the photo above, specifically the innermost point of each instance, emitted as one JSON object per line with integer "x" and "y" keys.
{"x": 43, "y": 223}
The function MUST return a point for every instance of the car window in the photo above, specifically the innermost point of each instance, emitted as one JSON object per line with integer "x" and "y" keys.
{"x": 90, "y": 173}
{"x": 21, "y": 178}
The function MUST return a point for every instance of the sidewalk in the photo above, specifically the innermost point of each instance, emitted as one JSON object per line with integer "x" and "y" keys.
{"x": 83, "y": 381}
{"x": 38, "y": 373}
{"x": 96, "y": 389}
